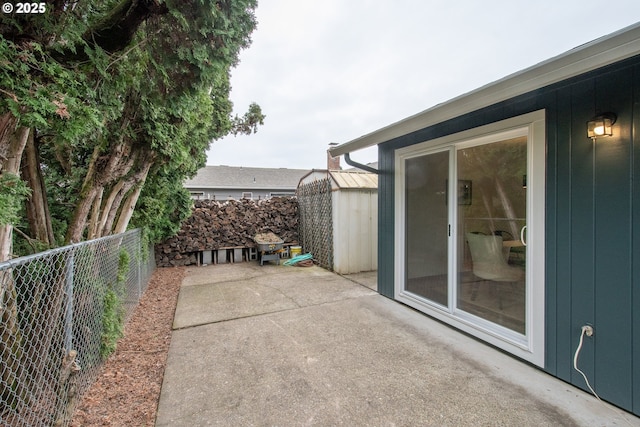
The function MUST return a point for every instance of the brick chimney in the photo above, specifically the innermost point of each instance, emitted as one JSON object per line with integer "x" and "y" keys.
{"x": 333, "y": 163}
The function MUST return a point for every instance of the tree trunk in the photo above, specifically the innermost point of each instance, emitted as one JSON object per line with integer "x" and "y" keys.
{"x": 118, "y": 196}
{"x": 106, "y": 210}
{"x": 87, "y": 194}
{"x": 99, "y": 174}
{"x": 10, "y": 337}
{"x": 6, "y": 239}
{"x": 37, "y": 206}
{"x": 115, "y": 32}
{"x": 94, "y": 221}
{"x": 135, "y": 180}
{"x": 127, "y": 210}
{"x": 15, "y": 148}
{"x": 8, "y": 124}
{"x": 80, "y": 215}
{"x": 11, "y": 165}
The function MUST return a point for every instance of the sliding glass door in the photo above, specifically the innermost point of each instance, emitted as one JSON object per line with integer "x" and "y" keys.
{"x": 466, "y": 206}
{"x": 491, "y": 227}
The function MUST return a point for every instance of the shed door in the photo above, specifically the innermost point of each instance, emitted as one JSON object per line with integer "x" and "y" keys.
{"x": 468, "y": 254}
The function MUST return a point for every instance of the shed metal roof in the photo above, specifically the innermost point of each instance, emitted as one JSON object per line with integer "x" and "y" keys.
{"x": 230, "y": 177}
{"x": 354, "y": 179}
{"x": 603, "y": 51}
{"x": 344, "y": 179}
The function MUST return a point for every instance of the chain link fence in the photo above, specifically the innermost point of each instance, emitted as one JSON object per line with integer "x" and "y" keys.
{"x": 316, "y": 221}
{"x": 62, "y": 313}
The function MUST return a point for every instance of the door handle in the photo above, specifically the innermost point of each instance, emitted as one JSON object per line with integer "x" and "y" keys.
{"x": 522, "y": 235}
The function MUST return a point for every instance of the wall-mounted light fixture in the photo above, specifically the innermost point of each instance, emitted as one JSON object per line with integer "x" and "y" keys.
{"x": 601, "y": 125}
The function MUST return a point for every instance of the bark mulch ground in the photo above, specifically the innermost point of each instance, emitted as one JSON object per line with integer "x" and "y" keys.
{"x": 128, "y": 388}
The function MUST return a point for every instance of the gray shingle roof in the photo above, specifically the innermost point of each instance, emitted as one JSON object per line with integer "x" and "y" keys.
{"x": 246, "y": 178}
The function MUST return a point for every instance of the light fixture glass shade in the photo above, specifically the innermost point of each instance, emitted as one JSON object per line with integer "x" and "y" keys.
{"x": 601, "y": 125}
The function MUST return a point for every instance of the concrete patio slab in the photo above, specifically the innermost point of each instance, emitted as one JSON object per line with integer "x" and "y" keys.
{"x": 214, "y": 294}
{"x": 291, "y": 346}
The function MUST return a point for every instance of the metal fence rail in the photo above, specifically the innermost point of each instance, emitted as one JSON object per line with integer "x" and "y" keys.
{"x": 62, "y": 311}
{"x": 316, "y": 220}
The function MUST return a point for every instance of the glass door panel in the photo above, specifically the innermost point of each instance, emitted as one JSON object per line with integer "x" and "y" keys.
{"x": 427, "y": 223}
{"x": 491, "y": 212}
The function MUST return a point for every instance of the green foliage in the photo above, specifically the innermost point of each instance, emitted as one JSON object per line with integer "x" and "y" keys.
{"x": 143, "y": 254}
{"x": 123, "y": 266}
{"x": 112, "y": 323}
{"x": 248, "y": 123}
{"x": 113, "y": 312}
{"x": 12, "y": 193}
{"x": 160, "y": 88}
{"x": 44, "y": 94}
{"x": 162, "y": 207}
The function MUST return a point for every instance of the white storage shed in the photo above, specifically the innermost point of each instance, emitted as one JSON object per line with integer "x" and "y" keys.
{"x": 352, "y": 232}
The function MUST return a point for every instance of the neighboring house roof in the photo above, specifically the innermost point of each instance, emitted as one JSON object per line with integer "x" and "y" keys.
{"x": 606, "y": 50}
{"x": 232, "y": 177}
{"x": 346, "y": 179}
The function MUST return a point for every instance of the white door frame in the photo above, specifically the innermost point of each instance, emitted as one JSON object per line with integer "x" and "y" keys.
{"x": 529, "y": 346}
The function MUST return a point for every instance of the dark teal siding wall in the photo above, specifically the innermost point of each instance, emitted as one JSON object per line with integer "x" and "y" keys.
{"x": 635, "y": 242}
{"x": 592, "y": 224}
{"x": 613, "y": 228}
{"x": 590, "y": 236}
{"x": 386, "y": 243}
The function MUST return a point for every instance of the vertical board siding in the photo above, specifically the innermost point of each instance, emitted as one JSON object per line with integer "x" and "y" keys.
{"x": 386, "y": 239}
{"x": 552, "y": 228}
{"x": 558, "y": 247}
{"x": 592, "y": 218}
{"x": 635, "y": 245}
{"x": 581, "y": 238}
{"x": 612, "y": 197}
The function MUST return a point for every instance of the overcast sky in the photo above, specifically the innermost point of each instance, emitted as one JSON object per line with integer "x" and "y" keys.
{"x": 334, "y": 70}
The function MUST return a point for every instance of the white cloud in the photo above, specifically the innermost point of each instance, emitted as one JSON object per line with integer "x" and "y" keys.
{"x": 332, "y": 71}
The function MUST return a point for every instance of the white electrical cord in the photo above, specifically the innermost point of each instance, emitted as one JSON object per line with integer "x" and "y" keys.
{"x": 575, "y": 358}
{"x": 588, "y": 331}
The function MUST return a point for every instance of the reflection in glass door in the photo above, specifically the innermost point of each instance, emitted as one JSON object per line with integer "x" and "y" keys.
{"x": 427, "y": 220}
{"x": 491, "y": 219}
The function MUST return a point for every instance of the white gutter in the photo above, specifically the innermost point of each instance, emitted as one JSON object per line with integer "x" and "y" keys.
{"x": 606, "y": 50}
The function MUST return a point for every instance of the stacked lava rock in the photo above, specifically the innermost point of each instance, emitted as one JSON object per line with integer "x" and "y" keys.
{"x": 233, "y": 223}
